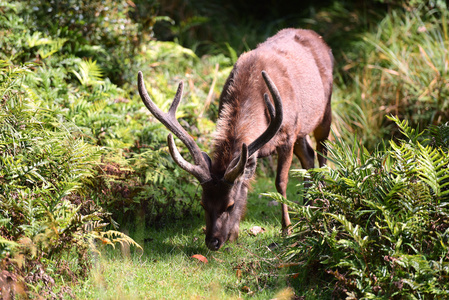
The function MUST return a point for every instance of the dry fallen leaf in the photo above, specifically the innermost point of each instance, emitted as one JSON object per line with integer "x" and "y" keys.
{"x": 200, "y": 258}
{"x": 256, "y": 230}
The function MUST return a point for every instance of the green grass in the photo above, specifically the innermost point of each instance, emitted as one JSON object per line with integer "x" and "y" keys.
{"x": 166, "y": 269}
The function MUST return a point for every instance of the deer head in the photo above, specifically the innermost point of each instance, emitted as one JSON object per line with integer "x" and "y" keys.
{"x": 224, "y": 194}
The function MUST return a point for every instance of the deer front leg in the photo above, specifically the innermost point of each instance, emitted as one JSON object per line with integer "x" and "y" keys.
{"x": 285, "y": 155}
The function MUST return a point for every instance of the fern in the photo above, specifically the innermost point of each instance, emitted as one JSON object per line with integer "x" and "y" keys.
{"x": 112, "y": 237}
{"x": 43, "y": 163}
{"x": 375, "y": 219}
{"x": 89, "y": 73}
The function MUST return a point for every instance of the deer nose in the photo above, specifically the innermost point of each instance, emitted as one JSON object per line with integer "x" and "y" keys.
{"x": 213, "y": 244}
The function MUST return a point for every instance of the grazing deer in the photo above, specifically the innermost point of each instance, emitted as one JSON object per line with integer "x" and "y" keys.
{"x": 300, "y": 67}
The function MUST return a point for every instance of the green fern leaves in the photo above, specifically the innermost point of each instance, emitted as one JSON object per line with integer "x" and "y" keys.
{"x": 379, "y": 224}
{"x": 89, "y": 73}
{"x": 45, "y": 168}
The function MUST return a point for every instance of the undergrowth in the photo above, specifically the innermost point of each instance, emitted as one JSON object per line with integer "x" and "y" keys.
{"x": 377, "y": 226}
{"x": 81, "y": 161}
{"x": 47, "y": 223}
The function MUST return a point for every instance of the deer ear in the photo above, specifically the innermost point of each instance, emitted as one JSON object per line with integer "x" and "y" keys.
{"x": 250, "y": 167}
{"x": 207, "y": 159}
{"x": 237, "y": 166}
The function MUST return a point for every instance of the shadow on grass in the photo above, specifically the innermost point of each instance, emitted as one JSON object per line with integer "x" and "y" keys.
{"x": 246, "y": 268}
{"x": 187, "y": 233}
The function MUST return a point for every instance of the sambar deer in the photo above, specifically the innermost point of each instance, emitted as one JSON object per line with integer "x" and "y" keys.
{"x": 299, "y": 64}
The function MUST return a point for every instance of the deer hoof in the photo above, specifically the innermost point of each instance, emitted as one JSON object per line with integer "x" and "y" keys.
{"x": 286, "y": 231}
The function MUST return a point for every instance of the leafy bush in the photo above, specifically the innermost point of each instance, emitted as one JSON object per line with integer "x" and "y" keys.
{"x": 377, "y": 226}
{"x": 45, "y": 169}
{"x": 110, "y": 32}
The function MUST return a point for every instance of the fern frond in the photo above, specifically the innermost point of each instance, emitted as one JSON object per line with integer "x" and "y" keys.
{"x": 354, "y": 231}
{"x": 89, "y": 73}
{"x": 439, "y": 136}
{"x": 36, "y": 40}
{"x": 111, "y": 237}
{"x": 8, "y": 243}
{"x": 411, "y": 133}
{"x": 433, "y": 168}
{"x": 95, "y": 226}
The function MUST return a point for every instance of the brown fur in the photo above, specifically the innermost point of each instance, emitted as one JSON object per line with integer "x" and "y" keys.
{"x": 242, "y": 114}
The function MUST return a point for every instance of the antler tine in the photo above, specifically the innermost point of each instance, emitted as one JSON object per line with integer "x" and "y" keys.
{"x": 200, "y": 170}
{"x": 270, "y": 106}
{"x": 168, "y": 119}
{"x": 276, "y": 116}
{"x": 201, "y": 173}
{"x": 174, "y": 105}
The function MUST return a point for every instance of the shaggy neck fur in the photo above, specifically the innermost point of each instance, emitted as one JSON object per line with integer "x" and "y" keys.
{"x": 240, "y": 116}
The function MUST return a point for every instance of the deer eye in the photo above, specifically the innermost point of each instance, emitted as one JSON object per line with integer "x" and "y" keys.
{"x": 230, "y": 208}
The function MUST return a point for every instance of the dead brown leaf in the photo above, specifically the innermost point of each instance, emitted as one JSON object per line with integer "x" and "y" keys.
{"x": 256, "y": 230}
{"x": 200, "y": 258}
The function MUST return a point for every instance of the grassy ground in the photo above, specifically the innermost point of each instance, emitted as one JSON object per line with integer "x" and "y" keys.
{"x": 166, "y": 269}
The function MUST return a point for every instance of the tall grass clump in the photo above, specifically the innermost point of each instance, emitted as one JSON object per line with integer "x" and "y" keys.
{"x": 377, "y": 226}
{"x": 403, "y": 69}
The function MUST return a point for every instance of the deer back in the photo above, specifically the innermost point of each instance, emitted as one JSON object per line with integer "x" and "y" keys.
{"x": 300, "y": 65}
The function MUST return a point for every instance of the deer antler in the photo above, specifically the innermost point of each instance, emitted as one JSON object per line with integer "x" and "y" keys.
{"x": 201, "y": 168}
{"x": 276, "y": 117}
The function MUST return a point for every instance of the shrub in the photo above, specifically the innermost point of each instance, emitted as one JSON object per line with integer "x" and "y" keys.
{"x": 45, "y": 214}
{"x": 378, "y": 223}
{"x": 110, "y": 32}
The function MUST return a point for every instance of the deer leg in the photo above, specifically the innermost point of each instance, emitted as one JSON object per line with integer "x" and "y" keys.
{"x": 306, "y": 155}
{"x": 321, "y": 134}
{"x": 285, "y": 155}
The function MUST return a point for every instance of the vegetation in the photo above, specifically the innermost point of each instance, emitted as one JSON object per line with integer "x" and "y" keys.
{"x": 168, "y": 270}
{"x": 84, "y": 166}
{"x": 377, "y": 226}
{"x": 403, "y": 71}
